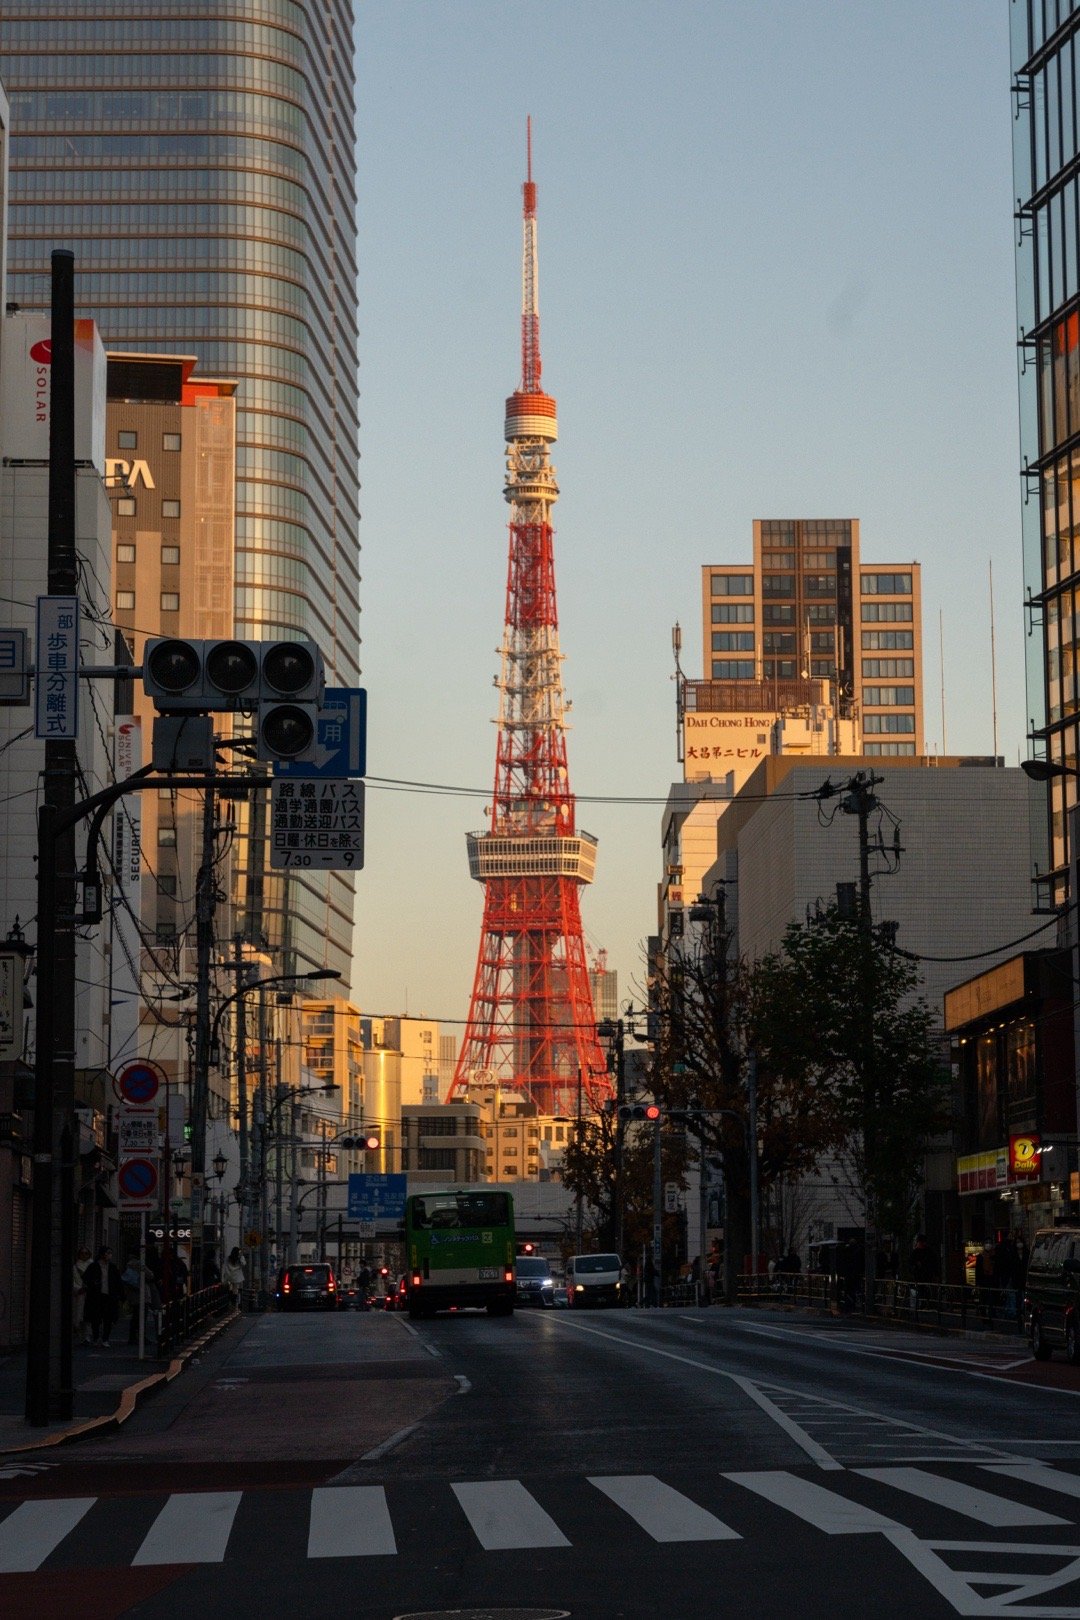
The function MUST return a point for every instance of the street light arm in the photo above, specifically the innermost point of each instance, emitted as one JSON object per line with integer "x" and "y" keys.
{"x": 257, "y": 984}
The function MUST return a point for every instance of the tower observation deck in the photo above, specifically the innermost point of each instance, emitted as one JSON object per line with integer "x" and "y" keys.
{"x": 531, "y": 1024}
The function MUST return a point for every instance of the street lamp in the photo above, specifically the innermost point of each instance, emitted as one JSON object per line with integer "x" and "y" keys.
{"x": 313, "y": 977}
{"x": 1044, "y": 770}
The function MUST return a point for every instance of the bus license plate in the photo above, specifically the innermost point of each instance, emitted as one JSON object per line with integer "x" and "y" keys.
{"x": 489, "y": 1273}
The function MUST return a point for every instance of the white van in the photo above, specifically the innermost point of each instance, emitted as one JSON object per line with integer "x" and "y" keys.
{"x": 594, "y": 1279}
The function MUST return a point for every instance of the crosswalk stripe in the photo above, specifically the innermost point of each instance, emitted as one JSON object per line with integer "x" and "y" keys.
{"x": 959, "y": 1498}
{"x": 349, "y": 1521}
{"x": 192, "y": 1528}
{"x": 503, "y": 1515}
{"x": 1048, "y": 1479}
{"x": 30, "y": 1534}
{"x": 664, "y": 1513}
{"x": 825, "y": 1510}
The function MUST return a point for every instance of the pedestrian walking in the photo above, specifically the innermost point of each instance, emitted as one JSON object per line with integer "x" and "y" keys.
{"x": 79, "y": 1323}
{"x": 104, "y": 1292}
{"x": 985, "y": 1280}
{"x": 233, "y": 1275}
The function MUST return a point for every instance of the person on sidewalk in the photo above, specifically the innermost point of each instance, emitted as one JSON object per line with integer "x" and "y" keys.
{"x": 104, "y": 1291}
{"x": 233, "y": 1277}
{"x": 79, "y": 1323}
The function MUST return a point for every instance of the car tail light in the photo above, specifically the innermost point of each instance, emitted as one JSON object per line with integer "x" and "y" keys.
{"x": 416, "y": 1279}
{"x": 286, "y": 1286}
{"x": 331, "y": 1285}
{"x": 508, "y": 1275}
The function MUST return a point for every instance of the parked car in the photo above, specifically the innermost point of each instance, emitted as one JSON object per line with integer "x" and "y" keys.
{"x": 397, "y": 1295}
{"x": 307, "y": 1288}
{"x": 1052, "y": 1293}
{"x": 533, "y": 1282}
{"x": 594, "y": 1279}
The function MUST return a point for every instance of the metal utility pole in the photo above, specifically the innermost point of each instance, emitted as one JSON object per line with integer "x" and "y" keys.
{"x": 244, "y": 1182}
{"x": 205, "y": 906}
{"x": 658, "y": 1213}
{"x": 49, "y": 1384}
{"x": 860, "y": 801}
{"x": 264, "y": 1158}
{"x": 579, "y": 1217}
{"x": 752, "y": 1154}
{"x": 294, "y": 1176}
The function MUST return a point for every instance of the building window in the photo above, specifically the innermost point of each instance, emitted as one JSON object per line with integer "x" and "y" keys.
{"x": 733, "y": 613}
{"x": 125, "y": 554}
{"x": 438, "y": 1159}
{"x": 819, "y": 559}
{"x": 164, "y": 932}
{"x": 888, "y": 722}
{"x": 125, "y": 601}
{"x": 778, "y": 613}
{"x": 509, "y": 1130}
{"x": 733, "y": 640}
{"x": 170, "y": 441}
{"x": 778, "y": 559}
{"x": 883, "y": 668}
{"x": 126, "y": 439}
{"x": 888, "y": 696}
{"x": 125, "y": 506}
{"x": 819, "y": 584}
{"x": 166, "y": 883}
{"x": 778, "y": 584}
{"x": 886, "y": 612}
{"x": 888, "y": 640}
{"x": 822, "y": 668}
{"x": 776, "y": 641}
{"x": 821, "y": 641}
{"x": 893, "y": 748}
{"x": 821, "y": 613}
{"x": 170, "y": 555}
{"x": 170, "y": 509}
{"x": 780, "y": 669}
{"x": 733, "y": 669}
{"x": 170, "y": 602}
{"x": 885, "y": 585}
{"x": 166, "y": 837}
{"x": 560, "y": 1133}
{"x": 732, "y": 585}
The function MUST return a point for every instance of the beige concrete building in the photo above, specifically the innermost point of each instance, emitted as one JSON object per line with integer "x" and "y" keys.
{"x": 808, "y": 609}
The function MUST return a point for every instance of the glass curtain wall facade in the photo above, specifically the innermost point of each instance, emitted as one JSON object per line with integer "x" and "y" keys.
{"x": 200, "y": 163}
{"x": 1046, "y": 156}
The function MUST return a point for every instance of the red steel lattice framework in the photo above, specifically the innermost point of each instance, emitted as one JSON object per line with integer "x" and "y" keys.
{"x": 531, "y": 1024}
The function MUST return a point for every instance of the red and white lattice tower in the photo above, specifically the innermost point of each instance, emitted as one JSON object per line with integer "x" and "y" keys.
{"x": 531, "y": 1024}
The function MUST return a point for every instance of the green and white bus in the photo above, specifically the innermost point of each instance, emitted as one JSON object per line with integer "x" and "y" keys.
{"x": 459, "y": 1250}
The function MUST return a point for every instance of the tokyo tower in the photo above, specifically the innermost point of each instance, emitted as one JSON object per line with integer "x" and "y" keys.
{"x": 531, "y": 1024}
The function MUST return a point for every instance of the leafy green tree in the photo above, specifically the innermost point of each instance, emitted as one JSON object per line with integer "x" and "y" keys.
{"x": 589, "y": 1169}
{"x": 836, "y": 1012}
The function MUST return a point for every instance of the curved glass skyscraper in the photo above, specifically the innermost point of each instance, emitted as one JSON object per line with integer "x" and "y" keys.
{"x": 200, "y": 163}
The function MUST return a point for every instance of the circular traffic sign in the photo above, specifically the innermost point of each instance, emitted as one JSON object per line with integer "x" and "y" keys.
{"x": 137, "y": 1178}
{"x": 140, "y": 1082}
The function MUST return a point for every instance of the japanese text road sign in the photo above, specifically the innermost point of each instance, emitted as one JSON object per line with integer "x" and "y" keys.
{"x": 139, "y": 1082}
{"x": 137, "y": 1130}
{"x": 317, "y": 823}
{"x": 136, "y": 1182}
{"x": 376, "y": 1198}
{"x": 12, "y": 973}
{"x": 341, "y": 740}
{"x": 56, "y": 681}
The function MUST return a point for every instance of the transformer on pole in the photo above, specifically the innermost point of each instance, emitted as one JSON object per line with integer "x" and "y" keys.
{"x": 531, "y": 1024}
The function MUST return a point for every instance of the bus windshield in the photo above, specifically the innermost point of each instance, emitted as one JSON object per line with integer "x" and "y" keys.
{"x": 460, "y": 1210}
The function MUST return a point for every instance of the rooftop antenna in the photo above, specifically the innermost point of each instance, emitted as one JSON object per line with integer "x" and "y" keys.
{"x": 680, "y": 691}
{"x": 993, "y": 661}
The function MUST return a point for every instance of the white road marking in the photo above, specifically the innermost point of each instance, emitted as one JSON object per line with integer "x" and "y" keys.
{"x": 503, "y": 1516}
{"x": 977, "y": 1367}
{"x": 984, "y": 1506}
{"x": 664, "y": 1513}
{"x": 192, "y": 1528}
{"x": 349, "y": 1521}
{"x": 958, "y": 1586}
{"x": 824, "y": 1509}
{"x": 35, "y": 1529}
{"x": 388, "y": 1445}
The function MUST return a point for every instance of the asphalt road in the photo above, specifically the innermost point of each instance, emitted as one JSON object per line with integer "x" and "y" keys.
{"x": 597, "y": 1465}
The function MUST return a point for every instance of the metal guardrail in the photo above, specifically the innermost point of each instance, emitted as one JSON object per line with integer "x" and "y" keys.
{"x": 182, "y": 1318}
{"x": 956, "y": 1305}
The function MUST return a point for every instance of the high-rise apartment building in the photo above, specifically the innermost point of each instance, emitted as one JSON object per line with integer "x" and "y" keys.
{"x": 1046, "y": 154}
{"x": 807, "y": 610}
{"x": 200, "y": 164}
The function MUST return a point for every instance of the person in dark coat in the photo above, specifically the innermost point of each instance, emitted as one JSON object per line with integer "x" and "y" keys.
{"x": 986, "y": 1279}
{"x": 104, "y": 1292}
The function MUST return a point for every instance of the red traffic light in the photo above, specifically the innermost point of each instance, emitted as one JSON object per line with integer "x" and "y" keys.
{"x": 526, "y": 1248}
{"x": 384, "y": 1271}
{"x": 652, "y": 1110}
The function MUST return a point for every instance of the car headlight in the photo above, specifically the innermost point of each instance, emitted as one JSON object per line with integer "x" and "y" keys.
{"x": 579, "y": 1288}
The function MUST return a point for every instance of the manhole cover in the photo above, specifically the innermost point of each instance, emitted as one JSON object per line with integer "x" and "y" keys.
{"x": 485, "y": 1614}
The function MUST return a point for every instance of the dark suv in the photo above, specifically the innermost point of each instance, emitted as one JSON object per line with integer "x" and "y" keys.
{"x": 533, "y": 1282}
{"x": 1052, "y": 1293}
{"x": 307, "y": 1288}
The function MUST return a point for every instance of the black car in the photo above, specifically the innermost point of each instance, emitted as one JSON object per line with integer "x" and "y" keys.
{"x": 533, "y": 1282}
{"x": 307, "y": 1288}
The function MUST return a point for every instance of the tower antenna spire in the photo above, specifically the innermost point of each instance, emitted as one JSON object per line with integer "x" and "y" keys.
{"x": 530, "y": 284}
{"x": 532, "y": 1022}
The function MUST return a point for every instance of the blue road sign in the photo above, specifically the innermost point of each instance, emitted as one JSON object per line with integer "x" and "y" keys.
{"x": 341, "y": 744}
{"x": 376, "y": 1198}
{"x": 139, "y": 1082}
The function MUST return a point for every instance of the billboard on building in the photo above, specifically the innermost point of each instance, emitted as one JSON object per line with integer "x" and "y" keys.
{"x": 25, "y": 374}
{"x": 717, "y": 742}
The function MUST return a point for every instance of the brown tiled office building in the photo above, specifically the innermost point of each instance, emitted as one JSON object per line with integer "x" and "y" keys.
{"x": 808, "y": 608}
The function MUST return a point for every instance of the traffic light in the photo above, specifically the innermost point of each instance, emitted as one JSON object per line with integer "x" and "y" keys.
{"x": 526, "y": 1248}
{"x": 280, "y": 682}
{"x": 365, "y": 1143}
{"x": 650, "y": 1111}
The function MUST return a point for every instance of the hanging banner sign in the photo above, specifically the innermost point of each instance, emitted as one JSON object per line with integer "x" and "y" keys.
{"x": 56, "y": 680}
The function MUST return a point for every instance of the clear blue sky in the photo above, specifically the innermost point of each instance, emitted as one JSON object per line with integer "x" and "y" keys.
{"x": 776, "y": 280}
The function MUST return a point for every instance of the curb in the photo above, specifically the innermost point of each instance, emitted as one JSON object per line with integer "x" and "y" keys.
{"x": 942, "y": 1331}
{"x": 131, "y": 1398}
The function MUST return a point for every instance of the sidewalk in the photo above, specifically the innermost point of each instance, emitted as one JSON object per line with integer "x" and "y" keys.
{"x": 110, "y": 1381}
